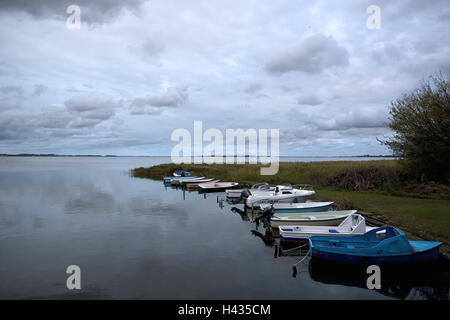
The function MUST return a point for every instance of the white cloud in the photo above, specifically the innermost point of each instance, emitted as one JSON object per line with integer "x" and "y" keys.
{"x": 314, "y": 55}
{"x": 335, "y": 76}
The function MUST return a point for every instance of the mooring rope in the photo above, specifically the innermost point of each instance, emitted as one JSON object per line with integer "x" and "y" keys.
{"x": 301, "y": 260}
{"x": 292, "y": 249}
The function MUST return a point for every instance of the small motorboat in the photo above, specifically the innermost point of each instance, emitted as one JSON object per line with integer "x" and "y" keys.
{"x": 178, "y": 174}
{"x": 260, "y": 188}
{"x": 217, "y": 186}
{"x": 298, "y": 207}
{"x": 236, "y": 193}
{"x": 380, "y": 246}
{"x": 194, "y": 185}
{"x": 327, "y": 218}
{"x": 197, "y": 181}
{"x": 354, "y": 224}
{"x": 170, "y": 179}
{"x": 184, "y": 180}
{"x": 284, "y": 196}
{"x": 181, "y": 173}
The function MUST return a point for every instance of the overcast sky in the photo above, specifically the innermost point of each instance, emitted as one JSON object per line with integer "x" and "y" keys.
{"x": 137, "y": 70}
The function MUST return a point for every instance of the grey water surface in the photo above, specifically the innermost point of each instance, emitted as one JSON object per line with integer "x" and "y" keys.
{"x": 135, "y": 239}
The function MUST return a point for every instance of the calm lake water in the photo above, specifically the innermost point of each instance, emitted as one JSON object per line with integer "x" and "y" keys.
{"x": 135, "y": 239}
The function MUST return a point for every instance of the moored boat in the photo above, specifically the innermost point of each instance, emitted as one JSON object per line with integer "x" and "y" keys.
{"x": 385, "y": 245}
{"x": 298, "y": 207}
{"x": 354, "y": 224}
{"x": 327, "y": 218}
{"x": 217, "y": 186}
{"x": 170, "y": 179}
{"x": 236, "y": 193}
{"x": 285, "y": 196}
{"x": 181, "y": 173}
{"x": 178, "y": 180}
{"x": 194, "y": 185}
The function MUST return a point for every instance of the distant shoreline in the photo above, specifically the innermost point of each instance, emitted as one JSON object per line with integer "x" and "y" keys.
{"x": 108, "y": 155}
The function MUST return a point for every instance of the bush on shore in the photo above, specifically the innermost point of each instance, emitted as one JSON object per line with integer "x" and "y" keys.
{"x": 365, "y": 178}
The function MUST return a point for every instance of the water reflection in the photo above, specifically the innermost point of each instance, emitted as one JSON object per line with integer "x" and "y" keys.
{"x": 420, "y": 281}
{"x": 134, "y": 238}
{"x": 90, "y": 201}
{"x": 266, "y": 238}
{"x": 404, "y": 282}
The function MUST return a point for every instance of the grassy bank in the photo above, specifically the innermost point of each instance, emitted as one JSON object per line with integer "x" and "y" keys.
{"x": 427, "y": 218}
{"x": 426, "y": 215}
{"x": 314, "y": 173}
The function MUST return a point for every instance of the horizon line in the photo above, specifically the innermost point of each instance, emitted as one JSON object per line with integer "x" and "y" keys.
{"x": 168, "y": 156}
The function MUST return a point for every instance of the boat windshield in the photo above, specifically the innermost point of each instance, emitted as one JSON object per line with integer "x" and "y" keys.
{"x": 261, "y": 186}
{"x": 286, "y": 186}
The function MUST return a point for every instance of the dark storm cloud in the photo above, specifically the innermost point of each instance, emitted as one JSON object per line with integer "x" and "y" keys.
{"x": 90, "y": 111}
{"x": 253, "y": 88}
{"x": 339, "y": 81}
{"x": 16, "y": 127}
{"x": 7, "y": 90}
{"x": 39, "y": 89}
{"x": 93, "y": 11}
{"x": 54, "y": 117}
{"x": 10, "y": 96}
{"x": 152, "y": 48}
{"x": 309, "y": 100}
{"x": 76, "y": 113}
{"x": 4, "y": 105}
{"x": 327, "y": 119}
{"x": 154, "y": 104}
{"x": 313, "y": 55}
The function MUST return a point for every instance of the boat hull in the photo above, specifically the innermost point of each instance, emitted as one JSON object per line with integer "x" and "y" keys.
{"x": 262, "y": 200}
{"x": 328, "y": 222}
{"x": 381, "y": 246}
{"x": 428, "y": 255}
{"x": 302, "y": 210}
{"x": 305, "y": 236}
{"x": 217, "y": 187}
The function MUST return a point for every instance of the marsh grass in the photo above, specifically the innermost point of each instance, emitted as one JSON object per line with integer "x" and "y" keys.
{"x": 371, "y": 186}
{"x": 314, "y": 173}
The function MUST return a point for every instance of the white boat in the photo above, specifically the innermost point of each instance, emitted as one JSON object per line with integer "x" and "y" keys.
{"x": 298, "y": 207}
{"x": 191, "y": 180}
{"x": 194, "y": 185}
{"x": 181, "y": 173}
{"x": 236, "y": 193}
{"x": 327, "y": 218}
{"x": 354, "y": 224}
{"x": 197, "y": 181}
{"x": 286, "y": 196}
{"x": 178, "y": 174}
{"x": 178, "y": 180}
{"x": 259, "y": 188}
{"x": 217, "y": 186}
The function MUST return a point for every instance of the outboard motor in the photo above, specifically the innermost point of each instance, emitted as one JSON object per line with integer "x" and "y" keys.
{"x": 266, "y": 213}
{"x": 244, "y": 195}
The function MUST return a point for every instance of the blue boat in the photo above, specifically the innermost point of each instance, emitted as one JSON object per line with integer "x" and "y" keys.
{"x": 381, "y": 246}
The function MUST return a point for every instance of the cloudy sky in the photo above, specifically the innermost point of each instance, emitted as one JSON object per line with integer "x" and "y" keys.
{"x": 136, "y": 70}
